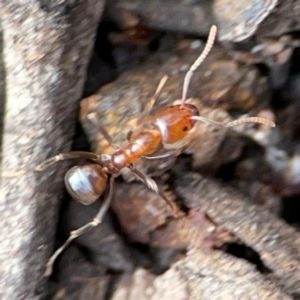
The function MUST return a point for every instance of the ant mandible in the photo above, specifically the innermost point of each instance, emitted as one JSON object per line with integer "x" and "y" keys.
{"x": 158, "y": 135}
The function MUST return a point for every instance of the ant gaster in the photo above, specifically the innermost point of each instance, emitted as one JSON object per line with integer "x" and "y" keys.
{"x": 157, "y": 136}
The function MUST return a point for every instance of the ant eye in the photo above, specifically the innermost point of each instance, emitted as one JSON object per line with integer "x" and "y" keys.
{"x": 184, "y": 128}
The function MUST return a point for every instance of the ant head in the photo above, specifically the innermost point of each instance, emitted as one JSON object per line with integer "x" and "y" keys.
{"x": 175, "y": 122}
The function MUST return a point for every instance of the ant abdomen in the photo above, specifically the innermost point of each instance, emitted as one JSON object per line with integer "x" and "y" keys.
{"x": 86, "y": 183}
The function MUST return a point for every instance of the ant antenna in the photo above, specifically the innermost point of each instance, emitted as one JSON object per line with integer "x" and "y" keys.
{"x": 199, "y": 60}
{"x": 236, "y": 122}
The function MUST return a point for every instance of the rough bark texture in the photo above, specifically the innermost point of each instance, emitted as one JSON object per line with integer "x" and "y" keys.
{"x": 47, "y": 45}
{"x": 276, "y": 243}
{"x": 186, "y": 16}
{"x": 240, "y": 20}
{"x": 200, "y": 276}
{"x": 237, "y": 20}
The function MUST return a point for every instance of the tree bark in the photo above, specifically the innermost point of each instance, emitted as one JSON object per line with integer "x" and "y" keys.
{"x": 46, "y": 48}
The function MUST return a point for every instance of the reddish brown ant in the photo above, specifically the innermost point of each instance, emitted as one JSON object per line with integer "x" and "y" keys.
{"x": 158, "y": 135}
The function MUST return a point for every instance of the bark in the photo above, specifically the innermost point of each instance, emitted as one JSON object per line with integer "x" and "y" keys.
{"x": 276, "y": 243}
{"x": 46, "y": 48}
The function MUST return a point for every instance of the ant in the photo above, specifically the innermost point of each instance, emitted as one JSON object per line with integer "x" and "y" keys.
{"x": 157, "y": 135}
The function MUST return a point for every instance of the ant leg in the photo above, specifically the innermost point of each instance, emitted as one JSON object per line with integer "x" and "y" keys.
{"x": 52, "y": 160}
{"x": 151, "y": 184}
{"x": 139, "y": 123}
{"x": 147, "y": 180}
{"x": 116, "y": 146}
{"x": 80, "y": 231}
{"x": 10, "y": 174}
{"x": 163, "y": 155}
{"x": 95, "y": 121}
{"x": 151, "y": 102}
{"x": 68, "y": 155}
{"x": 129, "y": 135}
